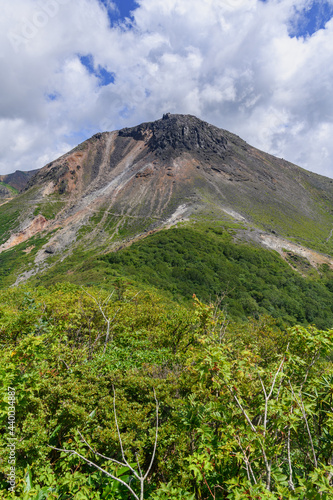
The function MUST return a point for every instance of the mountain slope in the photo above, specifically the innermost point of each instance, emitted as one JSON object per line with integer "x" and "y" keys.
{"x": 122, "y": 185}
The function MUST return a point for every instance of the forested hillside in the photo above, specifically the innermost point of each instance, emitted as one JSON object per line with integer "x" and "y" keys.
{"x": 206, "y": 261}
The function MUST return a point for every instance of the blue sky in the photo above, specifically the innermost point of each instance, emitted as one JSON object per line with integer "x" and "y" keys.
{"x": 311, "y": 18}
{"x": 104, "y": 76}
{"x": 261, "y": 69}
{"x": 307, "y": 20}
{"x": 125, "y": 7}
{"x": 116, "y": 15}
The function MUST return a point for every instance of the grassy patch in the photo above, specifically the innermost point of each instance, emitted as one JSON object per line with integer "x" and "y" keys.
{"x": 15, "y": 260}
{"x": 8, "y": 219}
{"x": 50, "y": 208}
{"x": 13, "y": 212}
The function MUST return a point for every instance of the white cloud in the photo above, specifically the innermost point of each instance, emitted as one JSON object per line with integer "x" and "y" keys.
{"x": 230, "y": 62}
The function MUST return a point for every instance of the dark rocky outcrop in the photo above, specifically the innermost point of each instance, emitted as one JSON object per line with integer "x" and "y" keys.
{"x": 174, "y": 134}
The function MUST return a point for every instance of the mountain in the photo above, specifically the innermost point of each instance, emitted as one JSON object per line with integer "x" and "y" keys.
{"x": 18, "y": 180}
{"x": 12, "y": 184}
{"x": 153, "y": 317}
{"x": 122, "y": 185}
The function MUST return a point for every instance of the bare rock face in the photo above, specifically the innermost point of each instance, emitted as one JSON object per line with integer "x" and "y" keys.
{"x": 175, "y": 134}
{"x": 37, "y": 225}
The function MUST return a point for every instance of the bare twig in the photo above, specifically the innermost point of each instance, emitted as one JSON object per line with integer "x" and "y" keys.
{"x": 267, "y": 463}
{"x": 241, "y": 408}
{"x": 268, "y": 396}
{"x": 100, "y": 454}
{"x": 301, "y": 407}
{"x": 247, "y": 462}
{"x": 210, "y": 491}
{"x": 314, "y": 359}
{"x": 290, "y": 482}
{"x": 330, "y": 475}
{"x": 117, "y": 426}
{"x": 156, "y": 436}
{"x": 68, "y": 368}
{"x": 92, "y": 464}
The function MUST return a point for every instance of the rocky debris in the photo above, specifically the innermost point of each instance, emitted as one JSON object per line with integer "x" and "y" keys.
{"x": 297, "y": 256}
{"x": 62, "y": 186}
{"x": 35, "y": 226}
{"x": 29, "y": 249}
{"x": 292, "y": 251}
{"x": 54, "y": 171}
{"x": 143, "y": 174}
{"x": 50, "y": 249}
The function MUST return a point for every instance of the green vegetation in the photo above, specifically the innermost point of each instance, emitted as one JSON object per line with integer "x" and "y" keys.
{"x": 245, "y": 396}
{"x": 8, "y": 218}
{"x": 184, "y": 261}
{"x": 51, "y": 207}
{"x": 186, "y": 365}
{"x": 12, "y": 212}
{"x": 245, "y": 409}
{"x": 310, "y": 232}
{"x": 268, "y": 212}
{"x": 18, "y": 259}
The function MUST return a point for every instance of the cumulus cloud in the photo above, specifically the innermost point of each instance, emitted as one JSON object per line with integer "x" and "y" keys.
{"x": 68, "y": 72}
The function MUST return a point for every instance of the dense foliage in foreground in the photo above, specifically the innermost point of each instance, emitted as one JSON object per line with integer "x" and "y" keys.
{"x": 245, "y": 410}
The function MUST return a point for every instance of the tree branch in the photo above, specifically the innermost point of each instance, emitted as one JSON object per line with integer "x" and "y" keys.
{"x": 156, "y": 435}
{"x": 119, "y": 436}
{"x": 140, "y": 477}
{"x": 290, "y": 482}
{"x": 301, "y": 406}
{"x": 92, "y": 464}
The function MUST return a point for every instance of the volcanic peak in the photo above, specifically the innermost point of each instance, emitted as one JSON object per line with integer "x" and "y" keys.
{"x": 176, "y": 133}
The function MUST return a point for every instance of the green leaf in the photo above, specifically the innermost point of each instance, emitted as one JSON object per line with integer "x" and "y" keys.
{"x": 28, "y": 481}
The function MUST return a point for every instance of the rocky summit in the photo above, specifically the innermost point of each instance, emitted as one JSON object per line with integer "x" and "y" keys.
{"x": 122, "y": 185}
{"x": 175, "y": 134}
